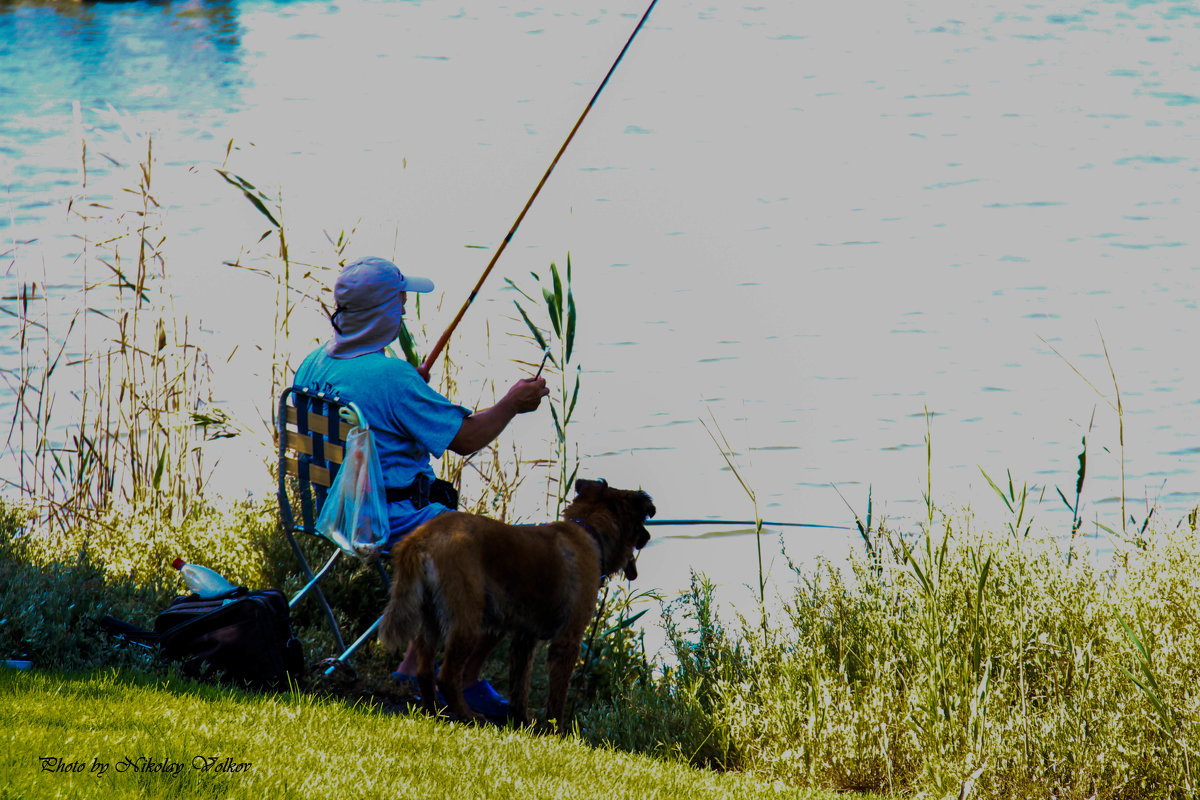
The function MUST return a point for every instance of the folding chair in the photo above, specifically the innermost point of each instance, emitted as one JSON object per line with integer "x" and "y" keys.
{"x": 313, "y": 427}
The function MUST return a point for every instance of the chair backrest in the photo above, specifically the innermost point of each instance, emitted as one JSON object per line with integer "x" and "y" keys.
{"x": 312, "y": 429}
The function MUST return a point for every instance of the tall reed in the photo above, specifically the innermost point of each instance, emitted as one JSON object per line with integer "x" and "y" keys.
{"x": 286, "y": 294}
{"x": 973, "y": 661}
{"x": 1118, "y": 408}
{"x": 729, "y": 456}
{"x": 557, "y": 341}
{"x": 123, "y": 366}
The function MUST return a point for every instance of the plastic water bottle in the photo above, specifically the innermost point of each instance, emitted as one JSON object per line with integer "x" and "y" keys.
{"x": 202, "y": 580}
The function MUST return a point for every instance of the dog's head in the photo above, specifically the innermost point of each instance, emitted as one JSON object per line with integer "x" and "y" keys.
{"x": 618, "y": 514}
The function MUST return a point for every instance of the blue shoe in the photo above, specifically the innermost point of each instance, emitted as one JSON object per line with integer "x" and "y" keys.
{"x": 410, "y": 682}
{"x": 483, "y": 699}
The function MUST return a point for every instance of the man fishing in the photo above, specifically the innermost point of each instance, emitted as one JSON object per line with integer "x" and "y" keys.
{"x": 411, "y": 422}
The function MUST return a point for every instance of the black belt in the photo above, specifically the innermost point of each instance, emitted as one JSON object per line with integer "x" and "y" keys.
{"x": 417, "y": 491}
{"x": 395, "y": 495}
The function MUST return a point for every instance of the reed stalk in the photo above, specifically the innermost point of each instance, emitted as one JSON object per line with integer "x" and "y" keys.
{"x": 105, "y": 404}
{"x": 1017, "y": 503}
{"x": 286, "y": 292}
{"x": 557, "y": 341}
{"x": 728, "y": 455}
{"x": 1119, "y": 409}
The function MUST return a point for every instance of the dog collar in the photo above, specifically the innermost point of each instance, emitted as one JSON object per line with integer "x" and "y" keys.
{"x": 587, "y": 526}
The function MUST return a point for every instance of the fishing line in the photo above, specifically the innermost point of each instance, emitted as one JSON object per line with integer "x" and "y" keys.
{"x": 764, "y": 523}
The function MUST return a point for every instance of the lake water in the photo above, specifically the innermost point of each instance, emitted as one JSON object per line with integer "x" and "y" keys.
{"x": 802, "y": 226}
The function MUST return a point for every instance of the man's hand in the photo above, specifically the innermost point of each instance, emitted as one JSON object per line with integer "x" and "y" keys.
{"x": 526, "y": 394}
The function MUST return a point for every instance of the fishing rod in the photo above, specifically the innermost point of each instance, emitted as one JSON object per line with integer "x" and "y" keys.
{"x": 441, "y": 343}
{"x": 764, "y": 523}
{"x": 542, "y": 366}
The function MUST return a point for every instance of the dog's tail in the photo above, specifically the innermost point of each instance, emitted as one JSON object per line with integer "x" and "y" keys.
{"x": 402, "y": 617}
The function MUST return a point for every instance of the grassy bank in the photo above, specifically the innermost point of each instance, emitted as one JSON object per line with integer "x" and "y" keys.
{"x": 950, "y": 661}
{"x": 121, "y": 731}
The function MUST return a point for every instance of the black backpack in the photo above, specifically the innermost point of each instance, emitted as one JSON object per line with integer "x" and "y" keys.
{"x": 242, "y": 637}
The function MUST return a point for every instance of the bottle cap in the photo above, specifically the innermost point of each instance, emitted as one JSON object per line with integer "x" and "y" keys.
{"x": 177, "y": 563}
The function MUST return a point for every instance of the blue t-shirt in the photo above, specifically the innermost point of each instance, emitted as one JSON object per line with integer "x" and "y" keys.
{"x": 410, "y": 421}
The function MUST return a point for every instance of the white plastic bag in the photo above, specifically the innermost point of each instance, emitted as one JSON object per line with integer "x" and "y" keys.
{"x": 354, "y": 516}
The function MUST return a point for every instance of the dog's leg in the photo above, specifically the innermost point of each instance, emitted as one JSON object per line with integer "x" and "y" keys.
{"x": 520, "y": 669}
{"x": 486, "y": 644}
{"x": 461, "y": 644}
{"x": 564, "y": 652}
{"x": 424, "y": 648}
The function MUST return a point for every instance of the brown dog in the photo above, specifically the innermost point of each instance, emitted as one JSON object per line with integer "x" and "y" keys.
{"x": 473, "y": 580}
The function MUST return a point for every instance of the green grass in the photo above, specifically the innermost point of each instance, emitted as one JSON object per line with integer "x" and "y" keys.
{"x": 963, "y": 658}
{"x": 297, "y": 746}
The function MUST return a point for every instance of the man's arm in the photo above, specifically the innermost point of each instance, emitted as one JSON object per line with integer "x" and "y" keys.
{"x": 482, "y": 427}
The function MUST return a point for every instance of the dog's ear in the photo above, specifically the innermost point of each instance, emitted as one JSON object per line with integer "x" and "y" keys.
{"x": 586, "y": 488}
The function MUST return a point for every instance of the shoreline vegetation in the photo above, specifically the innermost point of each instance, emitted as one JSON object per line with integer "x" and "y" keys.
{"x": 964, "y": 657}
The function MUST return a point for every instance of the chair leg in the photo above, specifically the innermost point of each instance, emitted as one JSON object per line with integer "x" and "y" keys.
{"x": 298, "y": 596}
{"x": 337, "y": 662}
{"x": 312, "y": 579}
